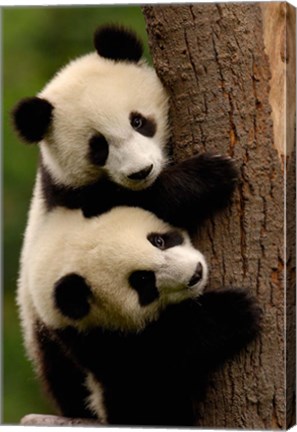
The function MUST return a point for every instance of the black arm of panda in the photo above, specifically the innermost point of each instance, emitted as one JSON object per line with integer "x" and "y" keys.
{"x": 212, "y": 328}
{"x": 201, "y": 332}
{"x": 63, "y": 379}
{"x": 191, "y": 191}
{"x": 184, "y": 194}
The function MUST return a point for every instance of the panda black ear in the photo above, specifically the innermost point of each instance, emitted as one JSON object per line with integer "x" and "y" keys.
{"x": 118, "y": 43}
{"x": 32, "y": 117}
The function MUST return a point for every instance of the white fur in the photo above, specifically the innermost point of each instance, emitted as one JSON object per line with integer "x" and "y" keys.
{"x": 105, "y": 251}
{"x": 37, "y": 216}
{"x": 95, "y": 95}
{"x": 95, "y": 402}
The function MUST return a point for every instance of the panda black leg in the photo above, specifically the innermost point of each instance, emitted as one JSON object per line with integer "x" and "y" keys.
{"x": 62, "y": 378}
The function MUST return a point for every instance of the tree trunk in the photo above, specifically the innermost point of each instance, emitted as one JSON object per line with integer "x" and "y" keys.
{"x": 226, "y": 68}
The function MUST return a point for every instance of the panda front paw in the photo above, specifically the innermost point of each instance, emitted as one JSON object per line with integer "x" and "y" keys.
{"x": 191, "y": 191}
{"x": 214, "y": 178}
{"x": 218, "y": 172}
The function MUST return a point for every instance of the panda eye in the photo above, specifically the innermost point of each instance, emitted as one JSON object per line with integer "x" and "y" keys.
{"x": 146, "y": 126}
{"x": 157, "y": 240}
{"x": 137, "y": 121}
{"x": 166, "y": 240}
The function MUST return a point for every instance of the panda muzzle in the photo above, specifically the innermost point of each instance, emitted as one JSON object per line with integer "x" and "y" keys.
{"x": 141, "y": 175}
{"x": 197, "y": 276}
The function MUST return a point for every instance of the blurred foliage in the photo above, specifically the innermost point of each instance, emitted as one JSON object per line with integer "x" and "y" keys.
{"x": 36, "y": 43}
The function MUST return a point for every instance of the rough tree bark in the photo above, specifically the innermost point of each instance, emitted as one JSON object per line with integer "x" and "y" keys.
{"x": 225, "y": 67}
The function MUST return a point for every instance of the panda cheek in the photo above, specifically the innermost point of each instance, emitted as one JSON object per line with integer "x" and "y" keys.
{"x": 98, "y": 150}
{"x": 72, "y": 295}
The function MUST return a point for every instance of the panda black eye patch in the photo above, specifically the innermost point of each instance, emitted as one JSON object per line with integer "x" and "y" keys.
{"x": 72, "y": 295}
{"x": 98, "y": 150}
{"x": 146, "y": 126}
{"x": 144, "y": 283}
{"x": 166, "y": 240}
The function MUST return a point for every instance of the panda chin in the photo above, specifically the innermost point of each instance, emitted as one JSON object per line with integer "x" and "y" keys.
{"x": 136, "y": 185}
{"x": 185, "y": 293}
{"x": 139, "y": 185}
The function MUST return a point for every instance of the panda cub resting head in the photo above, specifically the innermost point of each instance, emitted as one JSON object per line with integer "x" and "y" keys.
{"x": 123, "y": 330}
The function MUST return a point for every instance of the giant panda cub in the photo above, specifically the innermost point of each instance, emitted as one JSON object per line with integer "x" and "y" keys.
{"x": 102, "y": 128}
{"x": 120, "y": 328}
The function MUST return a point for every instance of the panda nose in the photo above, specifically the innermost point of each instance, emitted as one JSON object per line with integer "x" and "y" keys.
{"x": 141, "y": 175}
{"x": 197, "y": 276}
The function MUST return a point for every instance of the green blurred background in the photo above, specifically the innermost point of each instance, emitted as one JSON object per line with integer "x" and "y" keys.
{"x": 36, "y": 42}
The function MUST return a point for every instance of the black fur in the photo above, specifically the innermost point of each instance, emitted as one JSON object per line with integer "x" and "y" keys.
{"x": 32, "y": 117}
{"x": 183, "y": 195}
{"x": 146, "y": 126}
{"x": 55, "y": 194}
{"x": 151, "y": 377}
{"x": 63, "y": 378}
{"x": 197, "y": 276}
{"x": 118, "y": 43}
{"x": 72, "y": 295}
{"x": 142, "y": 174}
{"x": 144, "y": 283}
{"x": 99, "y": 150}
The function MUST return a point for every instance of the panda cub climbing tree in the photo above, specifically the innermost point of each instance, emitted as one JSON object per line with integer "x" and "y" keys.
{"x": 102, "y": 128}
{"x": 122, "y": 330}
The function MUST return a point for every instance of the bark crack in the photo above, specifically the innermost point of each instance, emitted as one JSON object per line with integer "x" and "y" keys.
{"x": 191, "y": 60}
{"x": 231, "y": 109}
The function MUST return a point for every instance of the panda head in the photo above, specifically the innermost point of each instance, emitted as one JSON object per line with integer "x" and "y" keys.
{"x": 117, "y": 271}
{"x": 105, "y": 113}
